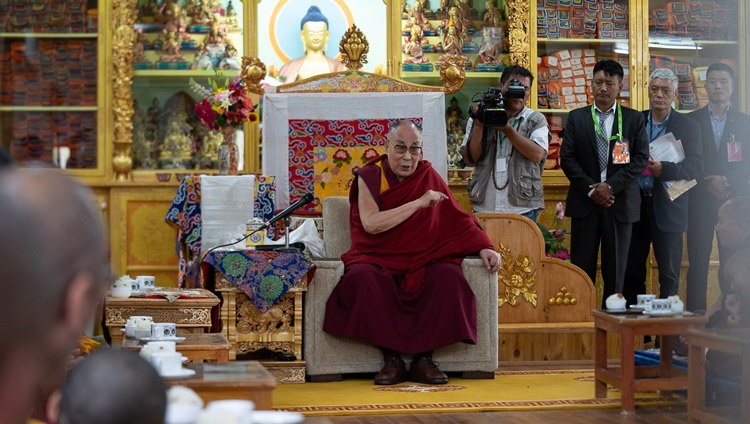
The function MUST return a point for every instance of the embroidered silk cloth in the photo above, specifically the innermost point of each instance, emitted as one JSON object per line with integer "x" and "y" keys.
{"x": 313, "y": 142}
{"x": 264, "y": 276}
{"x": 185, "y": 215}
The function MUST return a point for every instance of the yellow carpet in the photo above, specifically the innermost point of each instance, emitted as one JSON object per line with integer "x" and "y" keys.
{"x": 510, "y": 390}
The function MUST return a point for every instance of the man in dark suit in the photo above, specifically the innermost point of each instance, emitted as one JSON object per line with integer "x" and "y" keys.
{"x": 604, "y": 150}
{"x": 663, "y": 220}
{"x": 726, "y": 174}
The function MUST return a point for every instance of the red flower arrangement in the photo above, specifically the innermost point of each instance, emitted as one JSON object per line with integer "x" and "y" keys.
{"x": 224, "y": 106}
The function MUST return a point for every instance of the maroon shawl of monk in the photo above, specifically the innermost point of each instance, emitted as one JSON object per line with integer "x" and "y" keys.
{"x": 443, "y": 233}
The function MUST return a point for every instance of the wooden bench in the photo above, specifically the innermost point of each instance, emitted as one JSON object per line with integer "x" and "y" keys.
{"x": 544, "y": 304}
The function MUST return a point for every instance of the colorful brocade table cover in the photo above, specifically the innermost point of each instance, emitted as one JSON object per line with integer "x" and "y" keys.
{"x": 264, "y": 276}
{"x": 185, "y": 215}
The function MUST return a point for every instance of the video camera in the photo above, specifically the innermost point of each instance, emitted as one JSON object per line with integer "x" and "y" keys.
{"x": 490, "y": 110}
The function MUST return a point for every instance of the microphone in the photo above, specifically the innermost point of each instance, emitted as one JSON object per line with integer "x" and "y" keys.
{"x": 307, "y": 198}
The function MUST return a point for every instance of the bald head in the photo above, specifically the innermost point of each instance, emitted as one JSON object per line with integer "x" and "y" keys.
{"x": 50, "y": 234}
{"x": 113, "y": 386}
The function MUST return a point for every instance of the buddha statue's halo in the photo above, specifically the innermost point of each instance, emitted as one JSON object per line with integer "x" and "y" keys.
{"x": 313, "y": 15}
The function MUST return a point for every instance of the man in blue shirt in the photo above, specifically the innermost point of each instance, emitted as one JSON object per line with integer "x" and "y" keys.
{"x": 663, "y": 220}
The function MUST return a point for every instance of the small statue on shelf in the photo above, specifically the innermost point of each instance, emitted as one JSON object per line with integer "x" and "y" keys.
{"x": 231, "y": 20}
{"x": 444, "y": 6}
{"x": 210, "y": 150}
{"x": 454, "y": 19}
{"x": 201, "y": 14}
{"x": 418, "y": 13}
{"x": 405, "y": 12}
{"x": 148, "y": 11}
{"x": 230, "y": 60}
{"x": 150, "y": 124}
{"x": 492, "y": 15}
{"x": 215, "y": 35}
{"x": 491, "y": 48}
{"x": 171, "y": 47}
{"x": 453, "y": 44}
{"x": 141, "y": 147}
{"x": 467, "y": 11}
{"x": 454, "y": 107}
{"x": 177, "y": 149}
{"x": 202, "y": 60}
{"x": 413, "y": 48}
{"x": 141, "y": 42}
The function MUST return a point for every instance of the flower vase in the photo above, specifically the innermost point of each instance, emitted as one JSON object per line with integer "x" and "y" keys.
{"x": 228, "y": 152}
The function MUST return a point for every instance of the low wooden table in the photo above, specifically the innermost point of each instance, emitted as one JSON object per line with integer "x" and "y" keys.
{"x": 735, "y": 341}
{"x": 246, "y": 380}
{"x": 629, "y": 378}
{"x": 197, "y": 347}
{"x": 192, "y": 315}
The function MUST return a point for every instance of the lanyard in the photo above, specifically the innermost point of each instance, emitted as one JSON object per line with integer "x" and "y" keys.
{"x": 599, "y": 130}
{"x": 516, "y": 123}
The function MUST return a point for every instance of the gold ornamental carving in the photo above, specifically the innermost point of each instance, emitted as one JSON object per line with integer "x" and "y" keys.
{"x": 518, "y": 32}
{"x": 184, "y": 316}
{"x": 452, "y": 73}
{"x": 519, "y": 277}
{"x": 563, "y": 297}
{"x": 288, "y": 375}
{"x": 253, "y": 71}
{"x": 354, "y": 48}
{"x": 276, "y": 321}
{"x": 123, "y": 41}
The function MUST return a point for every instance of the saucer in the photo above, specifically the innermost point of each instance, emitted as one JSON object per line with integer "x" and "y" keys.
{"x": 638, "y": 307}
{"x": 667, "y": 313}
{"x": 177, "y": 339}
{"x": 185, "y": 372}
{"x": 277, "y": 417}
{"x": 616, "y": 310}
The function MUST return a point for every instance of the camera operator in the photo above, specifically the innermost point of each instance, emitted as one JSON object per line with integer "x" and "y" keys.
{"x": 507, "y": 144}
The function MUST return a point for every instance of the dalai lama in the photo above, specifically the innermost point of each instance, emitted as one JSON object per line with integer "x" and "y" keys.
{"x": 403, "y": 289}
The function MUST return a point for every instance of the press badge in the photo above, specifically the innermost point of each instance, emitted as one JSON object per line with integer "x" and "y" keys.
{"x": 621, "y": 152}
{"x": 501, "y": 165}
{"x": 734, "y": 150}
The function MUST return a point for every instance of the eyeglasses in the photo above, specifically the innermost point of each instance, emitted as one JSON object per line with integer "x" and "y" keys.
{"x": 413, "y": 150}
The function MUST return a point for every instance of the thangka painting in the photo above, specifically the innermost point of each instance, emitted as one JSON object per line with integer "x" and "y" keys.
{"x": 314, "y": 142}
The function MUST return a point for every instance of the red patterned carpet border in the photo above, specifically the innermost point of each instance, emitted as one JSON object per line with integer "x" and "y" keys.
{"x": 499, "y": 373}
{"x": 478, "y": 406}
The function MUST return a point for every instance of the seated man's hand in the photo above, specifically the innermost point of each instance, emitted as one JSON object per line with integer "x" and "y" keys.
{"x": 491, "y": 259}
{"x": 431, "y": 198}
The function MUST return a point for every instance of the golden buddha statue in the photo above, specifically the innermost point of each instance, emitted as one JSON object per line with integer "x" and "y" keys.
{"x": 314, "y": 35}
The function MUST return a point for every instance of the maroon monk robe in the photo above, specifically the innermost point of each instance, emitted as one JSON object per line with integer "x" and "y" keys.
{"x": 404, "y": 288}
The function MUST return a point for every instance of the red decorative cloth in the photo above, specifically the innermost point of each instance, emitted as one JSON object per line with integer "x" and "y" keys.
{"x": 444, "y": 233}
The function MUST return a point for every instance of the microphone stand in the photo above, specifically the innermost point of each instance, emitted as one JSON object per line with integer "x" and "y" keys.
{"x": 287, "y": 248}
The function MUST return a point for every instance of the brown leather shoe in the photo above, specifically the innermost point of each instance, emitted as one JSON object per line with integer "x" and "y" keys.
{"x": 393, "y": 372}
{"x": 423, "y": 370}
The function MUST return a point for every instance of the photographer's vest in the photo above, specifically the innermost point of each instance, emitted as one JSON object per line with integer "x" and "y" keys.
{"x": 525, "y": 177}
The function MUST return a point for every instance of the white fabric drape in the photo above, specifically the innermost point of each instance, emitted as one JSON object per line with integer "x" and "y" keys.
{"x": 227, "y": 203}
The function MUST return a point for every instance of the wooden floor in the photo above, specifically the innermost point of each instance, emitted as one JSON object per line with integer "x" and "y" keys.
{"x": 664, "y": 415}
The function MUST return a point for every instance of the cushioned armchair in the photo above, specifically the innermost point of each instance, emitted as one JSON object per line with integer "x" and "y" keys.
{"x": 329, "y": 357}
